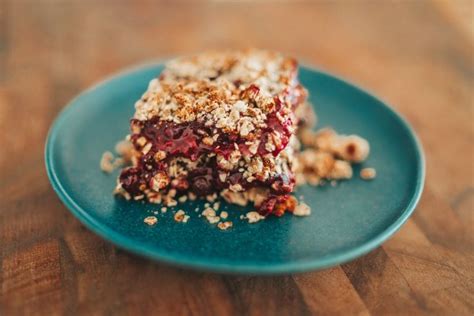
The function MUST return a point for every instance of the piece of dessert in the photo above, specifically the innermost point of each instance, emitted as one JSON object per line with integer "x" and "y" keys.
{"x": 218, "y": 123}
{"x": 227, "y": 124}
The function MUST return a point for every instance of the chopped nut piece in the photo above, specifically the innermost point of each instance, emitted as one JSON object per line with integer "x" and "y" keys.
{"x": 254, "y": 217}
{"x": 224, "y": 215}
{"x": 213, "y": 219}
{"x": 150, "y": 220}
{"x": 208, "y": 141}
{"x": 181, "y": 216}
{"x": 216, "y": 206}
{"x": 222, "y": 176}
{"x": 368, "y": 173}
{"x": 164, "y": 209}
{"x": 160, "y": 155}
{"x": 302, "y": 209}
{"x": 146, "y": 149}
{"x": 141, "y": 141}
{"x": 224, "y": 225}
{"x": 209, "y": 212}
{"x": 183, "y": 199}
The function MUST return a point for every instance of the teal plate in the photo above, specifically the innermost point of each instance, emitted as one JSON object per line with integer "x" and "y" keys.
{"x": 347, "y": 221}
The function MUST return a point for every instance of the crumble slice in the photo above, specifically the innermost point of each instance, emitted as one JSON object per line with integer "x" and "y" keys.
{"x": 228, "y": 123}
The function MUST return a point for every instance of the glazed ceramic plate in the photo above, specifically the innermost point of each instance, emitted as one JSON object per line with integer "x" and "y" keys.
{"x": 347, "y": 221}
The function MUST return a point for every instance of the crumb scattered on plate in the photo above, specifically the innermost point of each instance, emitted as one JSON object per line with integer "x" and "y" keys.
{"x": 302, "y": 209}
{"x": 150, "y": 220}
{"x": 181, "y": 216}
{"x": 254, "y": 217}
{"x": 224, "y": 225}
{"x": 368, "y": 173}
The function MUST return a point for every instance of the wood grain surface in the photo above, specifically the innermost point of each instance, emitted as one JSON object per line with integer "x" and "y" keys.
{"x": 417, "y": 55}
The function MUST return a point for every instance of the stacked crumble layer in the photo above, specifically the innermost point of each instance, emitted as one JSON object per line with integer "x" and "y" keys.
{"x": 217, "y": 122}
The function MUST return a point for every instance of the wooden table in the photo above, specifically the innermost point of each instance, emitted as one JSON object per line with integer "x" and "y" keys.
{"x": 417, "y": 55}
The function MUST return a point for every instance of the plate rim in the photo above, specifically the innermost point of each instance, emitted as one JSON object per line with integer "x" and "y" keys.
{"x": 127, "y": 243}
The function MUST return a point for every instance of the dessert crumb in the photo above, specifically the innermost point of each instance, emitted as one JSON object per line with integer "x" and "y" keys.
{"x": 181, "y": 216}
{"x": 224, "y": 214}
{"x": 150, "y": 220}
{"x": 213, "y": 219}
{"x": 216, "y": 206}
{"x": 254, "y": 217}
{"x": 302, "y": 209}
{"x": 164, "y": 209}
{"x": 368, "y": 173}
{"x": 192, "y": 196}
{"x": 209, "y": 212}
{"x": 211, "y": 197}
{"x": 183, "y": 199}
{"x": 224, "y": 225}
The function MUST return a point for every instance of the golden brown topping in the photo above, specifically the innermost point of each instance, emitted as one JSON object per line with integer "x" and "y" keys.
{"x": 230, "y": 90}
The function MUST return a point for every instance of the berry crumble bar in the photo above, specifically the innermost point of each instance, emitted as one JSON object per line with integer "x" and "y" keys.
{"x": 227, "y": 124}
